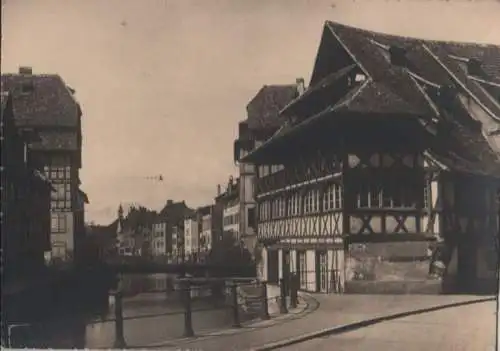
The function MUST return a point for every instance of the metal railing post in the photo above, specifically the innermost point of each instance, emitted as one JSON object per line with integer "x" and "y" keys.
{"x": 188, "y": 321}
{"x": 236, "y": 314}
{"x": 283, "y": 308}
{"x": 264, "y": 300}
{"x": 119, "y": 334}
{"x": 294, "y": 291}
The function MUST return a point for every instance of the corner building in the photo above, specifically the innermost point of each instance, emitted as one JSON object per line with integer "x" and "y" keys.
{"x": 384, "y": 175}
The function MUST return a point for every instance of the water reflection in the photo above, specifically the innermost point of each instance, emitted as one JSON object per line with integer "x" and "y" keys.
{"x": 144, "y": 295}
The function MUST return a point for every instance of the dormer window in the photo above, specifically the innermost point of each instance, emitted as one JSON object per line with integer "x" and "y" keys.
{"x": 474, "y": 67}
{"x": 397, "y": 55}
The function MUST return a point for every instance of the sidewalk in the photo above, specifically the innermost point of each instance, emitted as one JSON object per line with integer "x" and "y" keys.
{"x": 150, "y": 322}
{"x": 333, "y": 310}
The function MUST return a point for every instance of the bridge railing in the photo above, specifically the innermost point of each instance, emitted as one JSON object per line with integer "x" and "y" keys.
{"x": 242, "y": 299}
{"x": 188, "y": 306}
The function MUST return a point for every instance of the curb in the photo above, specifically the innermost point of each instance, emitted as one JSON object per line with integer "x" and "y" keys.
{"x": 361, "y": 324}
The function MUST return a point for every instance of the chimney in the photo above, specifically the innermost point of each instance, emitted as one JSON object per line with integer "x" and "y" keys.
{"x": 170, "y": 202}
{"x": 218, "y": 189}
{"x": 301, "y": 86}
{"x": 230, "y": 185}
{"x": 25, "y": 70}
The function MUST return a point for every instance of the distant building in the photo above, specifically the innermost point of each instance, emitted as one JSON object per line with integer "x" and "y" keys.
{"x": 172, "y": 215}
{"x": 25, "y": 210}
{"x": 159, "y": 238}
{"x": 210, "y": 221}
{"x": 191, "y": 236}
{"x": 126, "y": 245}
{"x": 45, "y": 105}
{"x": 262, "y": 122}
{"x": 230, "y": 201}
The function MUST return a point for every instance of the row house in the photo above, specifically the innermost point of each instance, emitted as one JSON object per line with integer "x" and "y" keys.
{"x": 134, "y": 231}
{"x": 192, "y": 237}
{"x": 210, "y": 227}
{"x": 26, "y": 194}
{"x": 170, "y": 220}
{"x": 261, "y": 123}
{"x": 45, "y": 105}
{"x": 384, "y": 173}
{"x": 230, "y": 200}
{"x": 125, "y": 237}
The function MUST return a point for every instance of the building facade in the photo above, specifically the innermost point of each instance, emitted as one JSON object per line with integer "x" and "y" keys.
{"x": 231, "y": 206}
{"x": 384, "y": 175}
{"x": 210, "y": 227}
{"x": 26, "y": 193}
{"x": 45, "y": 105}
{"x": 192, "y": 237}
{"x": 159, "y": 238}
{"x": 125, "y": 237}
{"x": 178, "y": 243}
{"x": 261, "y": 123}
{"x": 169, "y": 219}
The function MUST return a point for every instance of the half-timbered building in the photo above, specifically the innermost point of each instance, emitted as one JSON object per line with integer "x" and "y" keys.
{"x": 261, "y": 123}
{"x": 384, "y": 174}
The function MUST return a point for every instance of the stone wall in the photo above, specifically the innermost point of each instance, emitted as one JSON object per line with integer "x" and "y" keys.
{"x": 393, "y": 267}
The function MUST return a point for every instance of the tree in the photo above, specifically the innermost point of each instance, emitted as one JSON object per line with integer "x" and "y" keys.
{"x": 231, "y": 256}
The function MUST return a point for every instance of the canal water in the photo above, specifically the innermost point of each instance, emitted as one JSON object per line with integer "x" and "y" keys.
{"x": 152, "y": 309}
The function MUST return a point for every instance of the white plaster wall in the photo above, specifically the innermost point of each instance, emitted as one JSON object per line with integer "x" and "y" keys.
{"x": 280, "y": 263}
{"x": 311, "y": 270}
{"x": 293, "y": 261}
{"x": 263, "y": 265}
{"x": 191, "y": 236}
{"x": 231, "y": 211}
{"x": 207, "y": 234}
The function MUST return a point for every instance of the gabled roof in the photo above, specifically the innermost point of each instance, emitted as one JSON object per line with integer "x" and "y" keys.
{"x": 263, "y": 110}
{"x": 430, "y": 59}
{"x": 41, "y": 100}
{"x": 409, "y": 77}
{"x": 174, "y": 212}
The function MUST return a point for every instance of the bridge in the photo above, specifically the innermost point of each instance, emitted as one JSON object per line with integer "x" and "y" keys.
{"x": 143, "y": 266}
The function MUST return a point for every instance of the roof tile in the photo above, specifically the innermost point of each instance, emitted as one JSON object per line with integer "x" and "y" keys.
{"x": 49, "y": 103}
{"x": 263, "y": 110}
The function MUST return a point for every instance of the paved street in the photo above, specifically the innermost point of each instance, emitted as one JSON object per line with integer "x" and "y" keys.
{"x": 332, "y": 310}
{"x": 467, "y": 328}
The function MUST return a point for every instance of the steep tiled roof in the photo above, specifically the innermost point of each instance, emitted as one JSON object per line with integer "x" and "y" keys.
{"x": 263, "y": 110}
{"x": 420, "y": 78}
{"x": 56, "y": 140}
{"x": 41, "y": 100}
{"x": 174, "y": 212}
{"x": 430, "y": 59}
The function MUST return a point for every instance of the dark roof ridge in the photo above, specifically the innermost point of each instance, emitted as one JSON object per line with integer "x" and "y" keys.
{"x": 390, "y": 35}
{"x": 267, "y": 86}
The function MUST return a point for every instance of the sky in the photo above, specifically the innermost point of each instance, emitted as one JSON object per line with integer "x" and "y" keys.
{"x": 163, "y": 83}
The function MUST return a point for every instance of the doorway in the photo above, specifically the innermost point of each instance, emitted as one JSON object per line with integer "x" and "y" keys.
{"x": 285, "y": 268}
{"x": 322, "y": 271}
{"x": 272, "y": 266}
